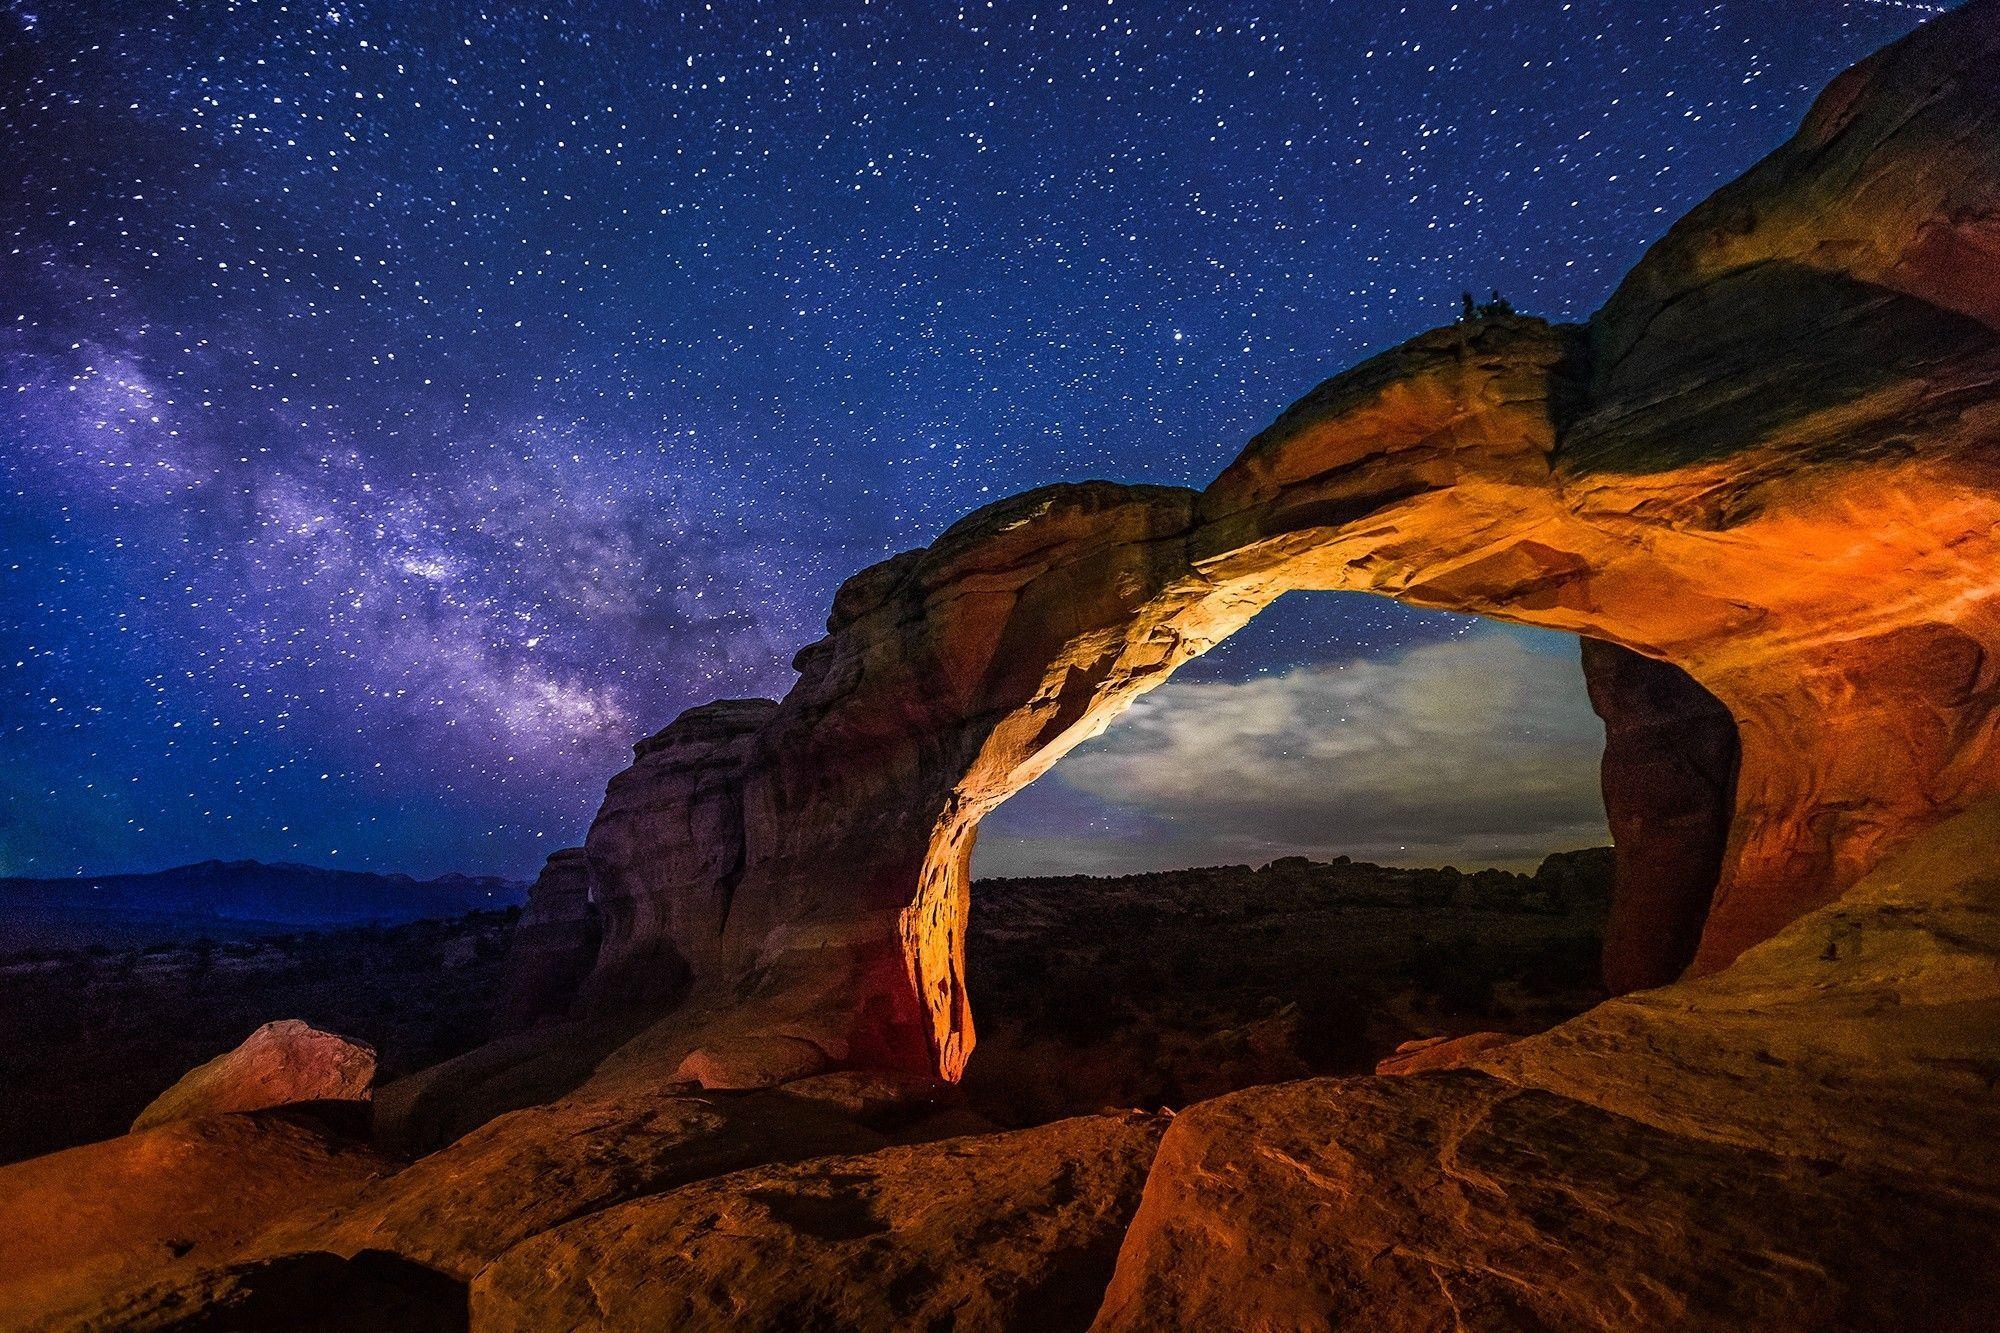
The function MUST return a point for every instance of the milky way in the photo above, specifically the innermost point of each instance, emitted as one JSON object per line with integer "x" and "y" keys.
{"x": 409, "y": 406}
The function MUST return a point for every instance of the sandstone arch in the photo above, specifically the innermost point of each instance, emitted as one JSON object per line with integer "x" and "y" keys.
{"x": 1769, "y": 461}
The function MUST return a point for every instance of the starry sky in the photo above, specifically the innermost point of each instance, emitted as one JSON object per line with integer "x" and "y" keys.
{"x": 409, "y": 405}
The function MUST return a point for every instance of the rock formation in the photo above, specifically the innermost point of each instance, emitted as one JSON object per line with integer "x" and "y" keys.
{"x": 1670, "y": 757}
{"x": 279, "y": 1064}
{"x": 554, "y": 945}
{"x": 1804, "y": 1140}
{"x": 1767, "y": 466}
{"x": 309, "y": 1292}
{"x": 87, "y": 1224}
{"x": 1759, "y": 484}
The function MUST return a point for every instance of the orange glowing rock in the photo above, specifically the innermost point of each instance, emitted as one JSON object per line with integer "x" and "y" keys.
{"x": 1434, "y": 1053}
{"x": 279, "y": 1064}
{"x": 78, "y": 1226}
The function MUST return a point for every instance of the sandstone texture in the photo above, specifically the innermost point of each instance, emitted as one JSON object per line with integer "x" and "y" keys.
{"x": 1011, "y": 1231}
{"x": 1760, "y": 485}
{"x": 532, "y": 1170}
{"x": 278, "y": 1064}
{"x": 1434, "y": 1053}
{"x": 758, "y": 1060}
{"x": 869, "y": 1097}
{"x": 310, "y": 1292}
{"x": 1458, "y": 1201}
{"x": 79, "y": 1227}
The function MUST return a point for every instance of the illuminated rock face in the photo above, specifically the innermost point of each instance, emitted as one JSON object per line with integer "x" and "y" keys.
{"x": 1759, "y": 485}
{"x": 280, "y": 1064}
{"x": 1769, "y": 463}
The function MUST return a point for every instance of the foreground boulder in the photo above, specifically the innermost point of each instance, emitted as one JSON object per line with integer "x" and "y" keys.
{"x": 1456, "y": 1200}
{"x": 82, "y": 1227}
{"x": 533, "y": 1170}
{"x": 310, "y": 1292}
{"x": 1007, "y": 1231}
{"x": 279, "y": 1064}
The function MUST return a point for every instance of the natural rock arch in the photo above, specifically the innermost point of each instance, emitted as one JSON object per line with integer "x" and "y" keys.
{"x": 1769, "y": 462}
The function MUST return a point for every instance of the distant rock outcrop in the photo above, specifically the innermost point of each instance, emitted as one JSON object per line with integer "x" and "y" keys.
{"x": 279, "y": 1064}
{"x": 232, "y": 899}
{"x": 554, "y": 945}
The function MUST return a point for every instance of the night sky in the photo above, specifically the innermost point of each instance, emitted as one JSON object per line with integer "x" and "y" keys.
{"x": 409, "y": 406}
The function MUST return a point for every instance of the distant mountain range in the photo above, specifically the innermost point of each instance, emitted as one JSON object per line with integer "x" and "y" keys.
{"x": 230, "y": 900}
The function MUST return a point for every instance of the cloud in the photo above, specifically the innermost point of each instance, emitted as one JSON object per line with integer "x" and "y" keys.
{"x": 1480, "y": 750}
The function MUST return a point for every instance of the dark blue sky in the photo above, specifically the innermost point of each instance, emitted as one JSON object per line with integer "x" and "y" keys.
{"x": 408, "y": 406}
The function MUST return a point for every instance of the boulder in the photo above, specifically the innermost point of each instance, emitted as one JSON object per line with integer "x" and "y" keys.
{"x": 760, "y": 1060}
{"x": 1001, "y": 1231}
{"x": 534, "y": 1169}
{"x": 1433, "y": 1053}
{"x": 279, "y": 1064}
{"x": 311, "y": 1292}
{"x": 1460, "y": 1201}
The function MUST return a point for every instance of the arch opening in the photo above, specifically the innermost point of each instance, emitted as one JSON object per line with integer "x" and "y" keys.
{"x": 1332, "y": 724}
{"x": 1428, "y": 739}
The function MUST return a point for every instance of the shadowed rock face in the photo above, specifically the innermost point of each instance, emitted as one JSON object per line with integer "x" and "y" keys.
{"x": 1768, "y": 462}
{"x": 1669, "y": 773}
{"x": 554, "y": 945}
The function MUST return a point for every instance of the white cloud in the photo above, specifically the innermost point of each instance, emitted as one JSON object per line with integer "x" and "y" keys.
{"x": 1479, "y": 750}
